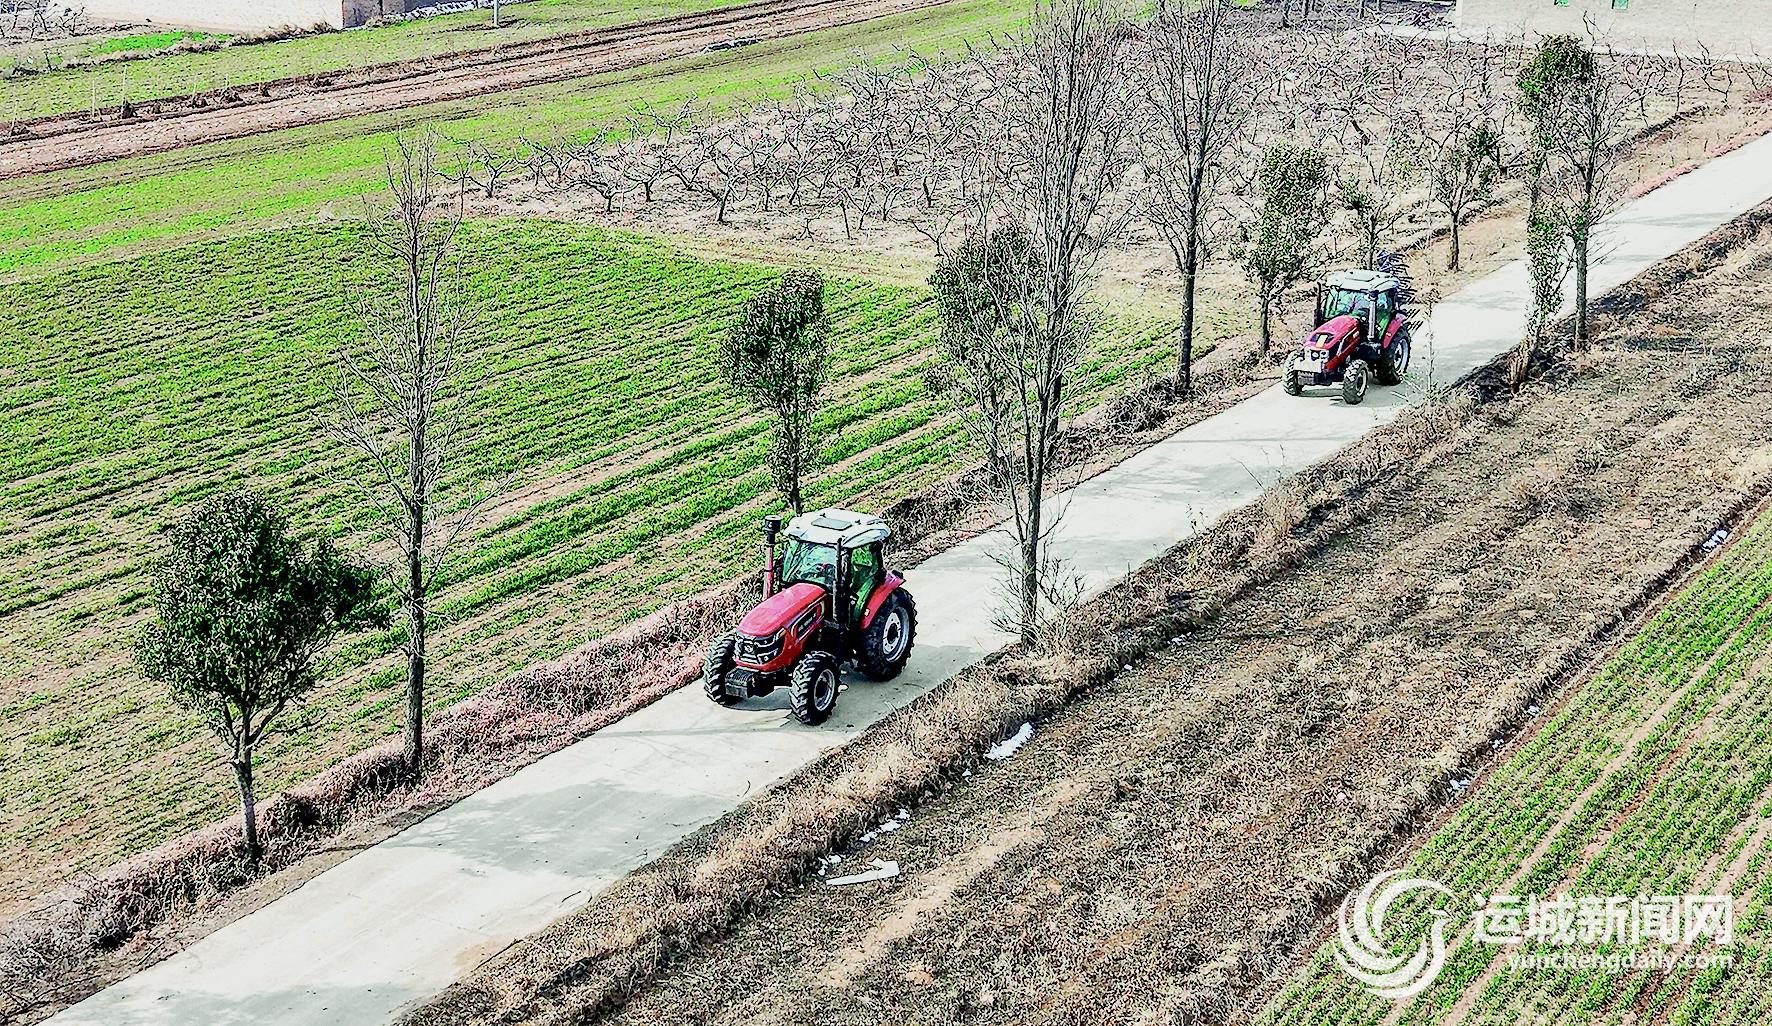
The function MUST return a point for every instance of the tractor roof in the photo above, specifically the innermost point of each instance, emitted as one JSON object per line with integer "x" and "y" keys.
{"x": 842, "y": 527}
{"x": 1361, "y": 281}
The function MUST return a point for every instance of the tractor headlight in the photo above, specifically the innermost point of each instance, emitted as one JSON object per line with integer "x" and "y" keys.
{"x": 758, "y": 651}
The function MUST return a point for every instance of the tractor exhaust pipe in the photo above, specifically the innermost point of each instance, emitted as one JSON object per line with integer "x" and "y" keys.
{"x": 771, "y": 528}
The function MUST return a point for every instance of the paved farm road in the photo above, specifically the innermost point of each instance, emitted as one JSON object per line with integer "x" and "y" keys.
{"x": 405, "y": 918}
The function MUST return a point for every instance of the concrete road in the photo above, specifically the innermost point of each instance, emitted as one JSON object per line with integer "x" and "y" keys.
{"x": 405, "y": 918}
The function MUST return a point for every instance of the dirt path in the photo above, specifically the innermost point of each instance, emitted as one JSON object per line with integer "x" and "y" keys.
{"x": 81, "y": 140}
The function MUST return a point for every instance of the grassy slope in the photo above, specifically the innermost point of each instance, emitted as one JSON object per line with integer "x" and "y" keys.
{"x": 1685, "y": 798}
{"x": 50, "y": 220}
{"x": 639, "y": 479}
{"x": 172, "y": 74}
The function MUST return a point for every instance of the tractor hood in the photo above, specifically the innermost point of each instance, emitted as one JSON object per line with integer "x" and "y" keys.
{"x": 779, "y": 610}
{"x": 1332, "y": 331}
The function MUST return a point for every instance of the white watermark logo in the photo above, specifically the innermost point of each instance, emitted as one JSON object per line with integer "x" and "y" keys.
{"x": 1582, "y": 933}
{"x": 1365, "y": 953}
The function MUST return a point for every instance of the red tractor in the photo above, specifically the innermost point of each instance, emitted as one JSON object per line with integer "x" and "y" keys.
{"x": 1362, "y": 332}
{"x": 827, "y": 601}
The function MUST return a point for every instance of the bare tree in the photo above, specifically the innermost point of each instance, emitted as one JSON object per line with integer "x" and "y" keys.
{"x": 1053, "y": 147}
{"x": 1457, "y": 132}
{"x": 1197, "y": 104}
{"x": 1372, "y": 184}
{"x": 485, "y": 167}
{"x": 400, "y": 400}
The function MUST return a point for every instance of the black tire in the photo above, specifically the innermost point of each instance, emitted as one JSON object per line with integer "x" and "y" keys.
{"x": 1289, "y": 380}
{"x": 715, "y": 669}
{"x": 1393, "y": 363}
{"x": 813, "y": 687}
{"x": 1353, "y": 385}
{"x": 886, "y": 644}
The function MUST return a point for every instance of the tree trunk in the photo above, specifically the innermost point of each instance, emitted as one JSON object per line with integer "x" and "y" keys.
{"x": 1267, "y": 309}
{"x": 248, "y": 806}
{"x": 1190, "y": 274}
{"x": 1581, "y": 288}
{"x": 1030, "y": 563}
{"x": 1452, "y": 251}
{"x": 414, "y": 753}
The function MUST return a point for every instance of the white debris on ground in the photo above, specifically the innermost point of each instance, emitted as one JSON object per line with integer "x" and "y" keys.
{"x": 1716, "y": 539}
{"x": 887, "y": 825}
{"x": 1458, "y": 785}
{"x": 1010, "y": 745}
{"x": 884, "y": 869}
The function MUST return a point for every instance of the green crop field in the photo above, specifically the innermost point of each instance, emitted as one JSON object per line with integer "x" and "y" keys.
{"x": 161, "y": 321}
{"x": 1652, "y": 780}
{"x": 132, "y": 389}
{"x": 49, "y": 221}
{"x": 107, "y": 85}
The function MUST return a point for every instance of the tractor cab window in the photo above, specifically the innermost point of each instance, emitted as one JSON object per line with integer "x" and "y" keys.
{"x": 805, "y": 563}
{"x": 1387, "y": 305}
{"x": 865, "y": 573}
{"x": 1343, "y": 301}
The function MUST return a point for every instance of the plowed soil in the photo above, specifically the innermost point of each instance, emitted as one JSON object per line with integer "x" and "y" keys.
{"x": 82, "y": 140}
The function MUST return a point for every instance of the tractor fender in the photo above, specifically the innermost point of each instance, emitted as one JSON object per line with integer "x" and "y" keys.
{"x": 892, "y": 583}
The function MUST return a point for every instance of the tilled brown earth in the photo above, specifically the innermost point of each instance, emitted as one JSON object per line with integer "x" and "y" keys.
{"x": 1173, "y": 832}
{"x": 80, "y": 140}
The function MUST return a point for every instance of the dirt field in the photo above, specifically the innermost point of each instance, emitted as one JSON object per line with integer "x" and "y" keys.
{"x": 80, "y": 140}
{"x": 1171, "y": 833}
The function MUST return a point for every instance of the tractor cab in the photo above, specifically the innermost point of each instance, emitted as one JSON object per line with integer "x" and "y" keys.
{"x": 828, "y": 599}
{"x": 1361, "y": 331}
{"x": 1369, "y": 296}
{"x": 840, "y": 552}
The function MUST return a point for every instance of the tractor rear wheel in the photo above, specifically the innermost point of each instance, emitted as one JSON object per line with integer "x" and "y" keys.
{"x": 1394, "y": 362}
{"x": 1353, "y": 385}
{"x": 719, "y": 663}
{"x": 886, "y": 644}
{"x": 813, "y": 687}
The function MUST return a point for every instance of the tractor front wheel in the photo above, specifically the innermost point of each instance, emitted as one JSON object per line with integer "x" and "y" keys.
{"x": 713, "y": 672}
{"x": 813, "y": 687}
{"x": 1289, "y": 380}
{"x": 1353, "y": 386}
{"x": 886, "y": 644}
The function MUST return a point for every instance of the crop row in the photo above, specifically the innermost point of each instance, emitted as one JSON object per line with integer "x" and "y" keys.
{"x": 105, "y": 86}
{"x": 1649, "y": 780}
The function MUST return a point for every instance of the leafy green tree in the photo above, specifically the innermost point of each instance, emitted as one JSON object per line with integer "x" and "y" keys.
{"x": 1547, "y": 266}
{"x": 777, "y": 356}
{"x": 1580, "y": 110}
{"x": 1559, "y": 66}
{"x": 1282, "y": 245}
{"x": 243, "y": 612}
